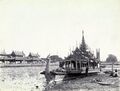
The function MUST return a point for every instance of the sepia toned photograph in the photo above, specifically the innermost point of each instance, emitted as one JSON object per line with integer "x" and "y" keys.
{"x": 59, "y": 45}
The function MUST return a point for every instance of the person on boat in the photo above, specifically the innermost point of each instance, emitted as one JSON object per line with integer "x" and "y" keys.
{"x": 86, "y": 72}
{"x": 115, "y": 73}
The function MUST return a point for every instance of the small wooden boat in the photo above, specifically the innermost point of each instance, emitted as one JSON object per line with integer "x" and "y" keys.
{"x": 105, "y": 83}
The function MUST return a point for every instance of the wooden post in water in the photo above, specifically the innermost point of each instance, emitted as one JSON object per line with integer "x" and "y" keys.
{"x": 70, "y": 65}
{"x": 112, "y": 67}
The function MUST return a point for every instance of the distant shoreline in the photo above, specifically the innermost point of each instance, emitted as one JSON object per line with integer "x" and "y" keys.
{"x": 26, "y": 65}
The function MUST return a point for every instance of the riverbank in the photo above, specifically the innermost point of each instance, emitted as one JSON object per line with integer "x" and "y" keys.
{"x": 98, "y": 82}
{"x": 90, "y": 83}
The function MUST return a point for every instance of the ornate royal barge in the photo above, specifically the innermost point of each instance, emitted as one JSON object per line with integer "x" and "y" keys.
{"x": 80, "y": 61}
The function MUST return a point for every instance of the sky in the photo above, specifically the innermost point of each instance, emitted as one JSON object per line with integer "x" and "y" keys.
{"x": 55, "y": 26}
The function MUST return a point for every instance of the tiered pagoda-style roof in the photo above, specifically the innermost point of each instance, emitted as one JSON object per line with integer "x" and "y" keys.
{"x": 33, "y": 55}
{"x": 82, "y": 52}
{"x": 17, "y": 54}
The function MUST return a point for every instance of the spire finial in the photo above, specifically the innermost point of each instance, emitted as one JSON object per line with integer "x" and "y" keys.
{"x": 82, "y": 32}
{"x": 83, "y": 40}
{"x": 83, "y": 44}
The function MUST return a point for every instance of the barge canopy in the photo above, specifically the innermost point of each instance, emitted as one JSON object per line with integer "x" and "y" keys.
{"x": 81, "y": 59}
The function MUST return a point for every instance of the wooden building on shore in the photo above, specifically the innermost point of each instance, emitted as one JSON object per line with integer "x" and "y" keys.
{"x": 4, "y": 57}
{"x": 33, "y": 57}
{"x": 19, "y": 57}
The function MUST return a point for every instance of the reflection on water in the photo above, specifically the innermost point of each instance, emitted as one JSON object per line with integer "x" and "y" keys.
{"x": 23, "y": 79}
